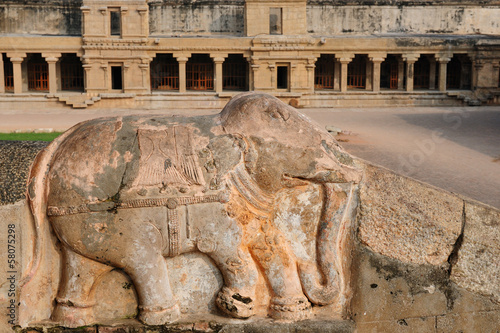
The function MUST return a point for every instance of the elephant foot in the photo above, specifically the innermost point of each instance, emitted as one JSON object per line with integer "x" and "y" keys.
{"x": 159, "y": 315}
{"x": 72, "y": 314}
{"x": 296, "y": 308}
{"x": 234, "y": 304}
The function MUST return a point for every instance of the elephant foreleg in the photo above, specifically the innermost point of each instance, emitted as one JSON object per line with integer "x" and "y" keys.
{"x": 271, "y": 251}
{"x": 237, "y": 297}
{"x": 75, "y": 299}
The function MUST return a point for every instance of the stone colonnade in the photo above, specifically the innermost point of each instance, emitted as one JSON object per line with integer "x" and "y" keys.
{"x": 405, "y": 68}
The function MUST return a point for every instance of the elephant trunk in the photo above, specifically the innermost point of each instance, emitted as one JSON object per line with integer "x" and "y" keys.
{"x": 323, "y": 281}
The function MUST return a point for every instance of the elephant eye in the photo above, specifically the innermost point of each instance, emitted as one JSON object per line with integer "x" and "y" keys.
{"x": 275, "y": 115}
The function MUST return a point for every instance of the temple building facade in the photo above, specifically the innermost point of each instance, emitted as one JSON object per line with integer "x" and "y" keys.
{"x": 199, "y": 53}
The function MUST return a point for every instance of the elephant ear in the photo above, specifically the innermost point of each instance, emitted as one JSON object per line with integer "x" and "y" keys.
{"x": 228, "y": 150}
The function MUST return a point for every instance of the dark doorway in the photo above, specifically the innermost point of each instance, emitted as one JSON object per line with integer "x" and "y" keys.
{"x": 164, "y": 73}
{"x": 389, "y": 72}
{"x": 116, "y": 78}
{"x": 356, "y": 72}
{"x": 282, "y": 77}
{"x": 458, "y": 72}
{"x": 235, "y": 73}
{"x": 421, "y": 76}
{"x": 38, "y": 73}
{"x": 200, "y": 72}
{"x": 71, "y": 73}
{"x": 324, "y": 72}
{"x": 8, "y": 71}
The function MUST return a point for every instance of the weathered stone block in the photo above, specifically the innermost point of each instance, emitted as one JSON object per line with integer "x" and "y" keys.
{"x": 477, "y": 266}
{"x": 407, "y": 220}
{"x": 484, "y": 322}
{"x": 410, "y": 325}
{"x": 387, "y": 290}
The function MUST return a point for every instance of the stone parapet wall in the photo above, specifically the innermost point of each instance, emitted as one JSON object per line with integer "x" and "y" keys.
{"x": 362, "y": 18}
{"x": 196, "y": 18}
{"x": 45, "y": 17}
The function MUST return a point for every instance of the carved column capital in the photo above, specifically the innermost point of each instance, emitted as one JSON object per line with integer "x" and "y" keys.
{"x": 51, "y": 57}
{"x": 377, "y": 60}
{"x": 443, "y": 59}
{"x": 85, "y": 9}
{"x": 16, "y": 57}
{"x": 411, "y": 57}
{"x": 344, "y": 60}
{"x": 377, "y": 57}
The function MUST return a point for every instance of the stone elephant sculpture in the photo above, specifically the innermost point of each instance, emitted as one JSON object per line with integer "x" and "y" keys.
{"x": 125, "y": 192}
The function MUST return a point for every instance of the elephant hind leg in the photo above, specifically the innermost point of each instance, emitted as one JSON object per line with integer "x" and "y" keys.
{"x": 157, "y": 305}
{"x": 75, "y": 298}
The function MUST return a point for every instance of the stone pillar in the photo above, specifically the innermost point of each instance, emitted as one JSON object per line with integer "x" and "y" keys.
{"x": 218, "y": 74}
{"x": 291, "y": 75}
{"x": 344, "y": 61}
{"x": 17, "y": 60}
{"x": 85, "y": 18}
{"x": 182, "y": 73}
{"x": 52, "y": 59}
{"x": 144, "y": 67}
{"x": 432, "y": 74}
{"x": 87, "y": 69}
{"x": 336, "y": 76}
{"x": 410, "y": 60}
{"x": 125, "y": 82}
{"x": 2, "y": 75}
{"x": 108, "y": 85}
{"x": 369, "y": 77}
{"x": 443, "y": 66}
{"x": 401, "y": 74}
{"x": 272, "y": 68}
{"x": 310, "y": 66}
{"x": 477, "y": 65}
{"x": 255, "y": 68}
{"x": 143, "y": 11}
{"x": 376, "y": 62}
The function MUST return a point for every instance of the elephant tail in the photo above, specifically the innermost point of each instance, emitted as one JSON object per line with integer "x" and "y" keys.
{"x": 37, "y": 194}
{"x": 325, "y": 281}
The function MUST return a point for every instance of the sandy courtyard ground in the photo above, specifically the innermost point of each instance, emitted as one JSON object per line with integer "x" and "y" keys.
{"x": 457, "y": 149}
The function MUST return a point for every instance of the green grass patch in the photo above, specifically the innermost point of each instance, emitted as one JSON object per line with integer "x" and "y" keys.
{"x": 29, "y": 136}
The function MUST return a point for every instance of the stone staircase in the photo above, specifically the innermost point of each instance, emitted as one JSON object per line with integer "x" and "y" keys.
{"x": 378, "y": 99}
{"x": 77, "y": 101}
{"x": 473, "y": 98}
